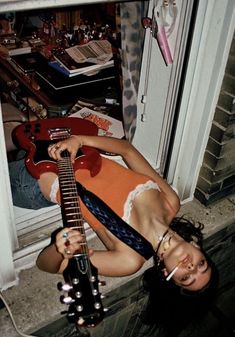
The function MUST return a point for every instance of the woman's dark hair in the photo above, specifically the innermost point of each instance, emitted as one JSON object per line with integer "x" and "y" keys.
{"x": 188, "y": 230}
{"x": 166, "y": 299}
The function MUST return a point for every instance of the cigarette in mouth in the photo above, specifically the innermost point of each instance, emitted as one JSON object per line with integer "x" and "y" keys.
{"x": 173, "y": 272}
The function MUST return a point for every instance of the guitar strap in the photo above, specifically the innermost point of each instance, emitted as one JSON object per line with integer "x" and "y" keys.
{"x": 114, "y": 223}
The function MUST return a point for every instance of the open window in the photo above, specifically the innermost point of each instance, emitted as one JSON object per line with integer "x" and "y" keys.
{"x": 147, "y": 121}
{"x": 28, "y": 93}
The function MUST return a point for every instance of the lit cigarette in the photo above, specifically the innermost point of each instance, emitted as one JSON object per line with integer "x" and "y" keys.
{"x": 173, "y": 272}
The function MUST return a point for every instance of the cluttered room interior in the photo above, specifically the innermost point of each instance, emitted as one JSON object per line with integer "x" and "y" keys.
{"x": 60, "y": 62}
{"x": 52, "y": 59}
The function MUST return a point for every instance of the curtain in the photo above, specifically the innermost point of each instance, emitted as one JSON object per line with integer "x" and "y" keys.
{"x": 132, "y": 38}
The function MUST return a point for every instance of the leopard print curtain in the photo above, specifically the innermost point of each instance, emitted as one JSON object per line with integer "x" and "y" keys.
{"x": 132, "y": 36}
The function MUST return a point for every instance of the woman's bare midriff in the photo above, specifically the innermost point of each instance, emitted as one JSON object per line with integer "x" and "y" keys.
{"x": 45, "y": 182}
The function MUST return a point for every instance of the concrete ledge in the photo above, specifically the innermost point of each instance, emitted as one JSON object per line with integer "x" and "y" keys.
{"x": 35, "y": 301}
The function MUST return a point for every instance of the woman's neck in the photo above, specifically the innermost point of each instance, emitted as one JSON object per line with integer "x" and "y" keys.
{"x": 155, "y": 230}
{"x": 149, "y": 217}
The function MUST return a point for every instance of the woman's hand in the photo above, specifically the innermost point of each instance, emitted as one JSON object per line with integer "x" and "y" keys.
{"x": 72, "y": 145}
{"x": 70, "y": 241}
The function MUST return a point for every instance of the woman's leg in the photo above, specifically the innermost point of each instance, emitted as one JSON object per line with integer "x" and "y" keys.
{"x": 26, "y": 191}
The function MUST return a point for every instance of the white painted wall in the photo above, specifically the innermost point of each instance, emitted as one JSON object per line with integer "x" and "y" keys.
{"x": 214, "y": 31}
{"x": 8, "y": 239}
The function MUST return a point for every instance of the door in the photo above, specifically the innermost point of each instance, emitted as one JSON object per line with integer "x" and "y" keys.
{"x": 160, "y": 82}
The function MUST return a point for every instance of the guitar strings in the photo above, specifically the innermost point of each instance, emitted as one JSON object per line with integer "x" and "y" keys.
{"x": 79, "y": 219}
{"x": 70, "y": 185}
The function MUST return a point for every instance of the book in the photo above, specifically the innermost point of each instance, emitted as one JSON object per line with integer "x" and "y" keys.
{"x": 81, "y": 59}
{"x": 14, "y": 51}
{"x": 86, "y": 70}
{"x": 19, "y": 51}
{"x": 12, "y": 45}
{"x": 58, "y": 66}
{"x": 96, "y": 51}
{"x": 28, "y": 63}
{"x": 107, "y": 126}
{"x": 56, "y": 82}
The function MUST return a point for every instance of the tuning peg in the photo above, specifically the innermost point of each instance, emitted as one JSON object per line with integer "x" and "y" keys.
{"x": 102, "y": 283}
{"x": 59, "y": 286}
{"x": 106, "y": 309}
{"x": 64, "y": 287}
{"x": 64, "y": 312}
{"x": 102, "y": 296}
{"x": 66, "y": 299}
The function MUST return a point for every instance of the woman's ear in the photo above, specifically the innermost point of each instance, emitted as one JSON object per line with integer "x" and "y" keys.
{"x": 164, "y": 272}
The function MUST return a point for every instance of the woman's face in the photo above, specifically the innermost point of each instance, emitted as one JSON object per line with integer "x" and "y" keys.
{"x": 193, "y": 272}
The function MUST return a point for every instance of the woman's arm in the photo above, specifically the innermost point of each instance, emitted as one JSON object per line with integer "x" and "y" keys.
{"x": 121, "y": 260}
{"x": 54, "y": 257}
{"x": 50, "y": 260}
{"x": 131, "y": 156}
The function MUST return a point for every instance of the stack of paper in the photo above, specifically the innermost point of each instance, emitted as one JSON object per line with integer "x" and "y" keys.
{"x": 84, "y": 59}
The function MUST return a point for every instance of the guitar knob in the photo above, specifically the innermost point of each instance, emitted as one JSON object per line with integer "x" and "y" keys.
{"x": 27, "y": 127}
{"x": 66, "y": 299}
{"x": 37, "y": 130}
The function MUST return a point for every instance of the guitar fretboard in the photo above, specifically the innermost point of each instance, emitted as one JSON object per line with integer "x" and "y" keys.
{"x": 70, "y": 205}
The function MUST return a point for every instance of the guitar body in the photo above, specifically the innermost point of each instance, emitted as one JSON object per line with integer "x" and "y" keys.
{"x": 35, "y": 137}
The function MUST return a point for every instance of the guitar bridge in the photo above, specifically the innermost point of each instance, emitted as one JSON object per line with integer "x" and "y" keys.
{"x": 59, "y": 133}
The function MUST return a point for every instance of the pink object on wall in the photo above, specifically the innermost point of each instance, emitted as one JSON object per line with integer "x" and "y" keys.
{"x": 163, "y": 45}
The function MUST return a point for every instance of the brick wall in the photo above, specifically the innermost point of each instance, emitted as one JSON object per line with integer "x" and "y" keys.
{"x": 217, "y": 175}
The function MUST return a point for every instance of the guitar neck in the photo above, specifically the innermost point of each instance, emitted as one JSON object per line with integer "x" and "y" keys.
{"x": 70, "y": 205}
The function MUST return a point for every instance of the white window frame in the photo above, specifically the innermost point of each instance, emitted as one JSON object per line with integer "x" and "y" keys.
{"x": 210, "y": 46}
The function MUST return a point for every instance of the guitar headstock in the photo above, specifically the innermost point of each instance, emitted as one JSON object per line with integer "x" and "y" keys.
{"x": 81, "y": 292}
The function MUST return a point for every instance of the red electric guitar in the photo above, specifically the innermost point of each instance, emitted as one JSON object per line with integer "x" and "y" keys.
{"x": 35, "y": 137}
{"x": 81, "y": 290}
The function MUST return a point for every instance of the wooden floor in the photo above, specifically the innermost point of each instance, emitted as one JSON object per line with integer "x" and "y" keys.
{"x": 127, "y": 303}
